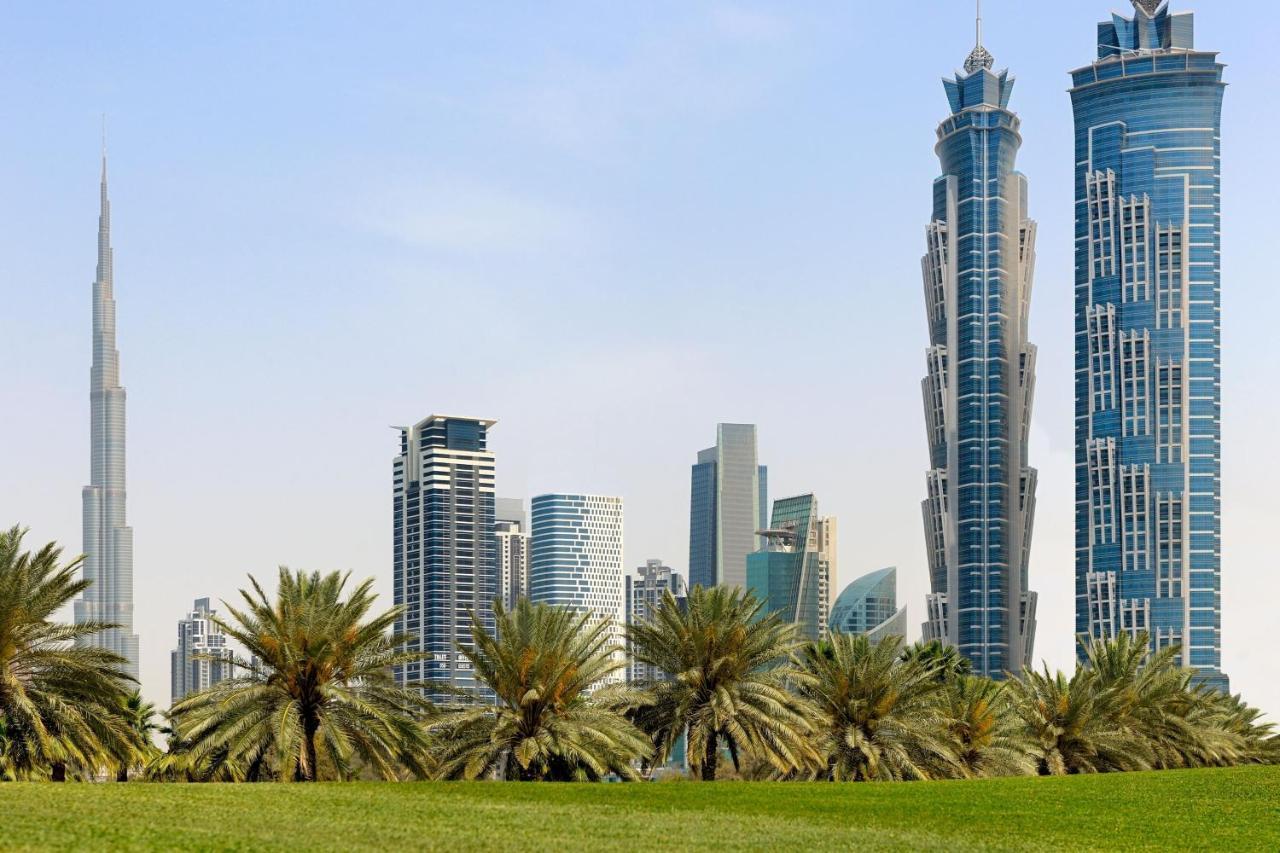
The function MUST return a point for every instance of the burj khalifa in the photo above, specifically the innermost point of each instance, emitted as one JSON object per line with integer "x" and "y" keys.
{"x": 108, "y": 539}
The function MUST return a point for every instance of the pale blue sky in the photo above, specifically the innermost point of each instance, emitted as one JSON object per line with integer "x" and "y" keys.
{"x": 608, "y": 225}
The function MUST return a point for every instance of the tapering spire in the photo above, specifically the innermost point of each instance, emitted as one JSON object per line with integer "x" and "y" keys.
{"x": 108, "y": 539}
{"x": 104, "y": 223}
{"x": 981, "y": 58}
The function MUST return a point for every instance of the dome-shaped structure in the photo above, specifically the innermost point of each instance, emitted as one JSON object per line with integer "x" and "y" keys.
{"x": 869, "y": 606}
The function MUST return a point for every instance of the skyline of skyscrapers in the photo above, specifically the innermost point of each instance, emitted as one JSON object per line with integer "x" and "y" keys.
{"x": 1147, "y": 381}
{"x": 981, "y": 378}
{"x": 576, "y": 559}
{"x": 728, "y": 503}
{"x": 792, "y": 574}
{"x": 443, "y": 566}
{"x": 107, "y": 536}
{"x": 1148, "y": 115}
{"x": 202, "y": 657}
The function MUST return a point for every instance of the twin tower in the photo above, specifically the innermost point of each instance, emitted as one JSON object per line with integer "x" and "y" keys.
{"x": 1147, "y": 354}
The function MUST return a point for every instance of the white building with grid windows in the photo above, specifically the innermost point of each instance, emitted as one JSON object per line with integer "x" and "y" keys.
{"x": 203, "y": 657}
{"x": 511, "y": 550}
{"x": 576, "y": 558}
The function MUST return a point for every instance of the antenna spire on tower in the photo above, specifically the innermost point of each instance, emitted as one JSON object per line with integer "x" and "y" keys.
{"x": 981, "y": 58}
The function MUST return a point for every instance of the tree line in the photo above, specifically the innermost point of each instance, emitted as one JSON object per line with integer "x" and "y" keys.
{"x": 741, "y": 695}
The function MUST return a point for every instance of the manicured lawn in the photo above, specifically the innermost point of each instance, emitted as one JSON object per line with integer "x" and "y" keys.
{"x": 1215, "y": 809}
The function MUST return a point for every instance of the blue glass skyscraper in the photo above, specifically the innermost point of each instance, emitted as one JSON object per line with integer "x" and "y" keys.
{"x": 728, "y": 503}
{"x": 1148, "y": 479}
{"x": 981, "y": 379}
{"x": 792, "y": 574}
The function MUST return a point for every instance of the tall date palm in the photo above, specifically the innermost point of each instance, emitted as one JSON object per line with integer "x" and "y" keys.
{"x": 542, "y": 665}
{"x": 319, "y": 695}
{"x": 1072, "y": 727}
{"x": 879, "y": 713}
{"x": 60, "y": 703}
{"x": 730, "y": 672}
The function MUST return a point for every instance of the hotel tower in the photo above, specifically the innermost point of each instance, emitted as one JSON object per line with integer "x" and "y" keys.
{"x": 981, "y": 379}
{"x": 1148, "y": 115}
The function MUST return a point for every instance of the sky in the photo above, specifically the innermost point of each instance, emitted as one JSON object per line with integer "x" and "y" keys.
{"x": 607, "y": 225}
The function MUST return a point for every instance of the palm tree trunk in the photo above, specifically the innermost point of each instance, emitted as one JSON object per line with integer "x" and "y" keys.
{"x": 711, "y": 758}
{"x": 59, "y": 773}
{"x": 311, "y": 774}
{"x": 122, "y": 775}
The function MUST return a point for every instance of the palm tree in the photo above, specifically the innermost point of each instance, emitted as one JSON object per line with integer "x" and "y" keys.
{"x": 321, "y": 694}
{"x": 1151, "y": 696}
{"x": 945, "y": 660}
{"x": 141, "y": 717}
{"x": 6, "y": 769}
{"x": 879, "y": 714}
{"x": 1071, "y": 725}
{"x": 541, "y": 667}
{"x": 1262, "y": 744}
{"x": 59, "y": 702}
{"x": 730, "y": 667}
{"x": 986, "y": 735}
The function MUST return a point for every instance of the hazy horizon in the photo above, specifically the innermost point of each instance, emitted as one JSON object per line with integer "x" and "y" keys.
{"x": 609, "y": 229}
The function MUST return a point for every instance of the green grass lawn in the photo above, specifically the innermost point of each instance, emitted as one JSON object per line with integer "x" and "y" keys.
{"x": 1235, "y": 809}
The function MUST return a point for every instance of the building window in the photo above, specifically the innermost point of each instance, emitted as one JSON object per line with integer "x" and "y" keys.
{"x": 1169, "y": 548}
{"x": 1136, "y": 503}
{"x": 1170, "y": 405}
{"x": 1101, "y": 187}
{"x": 1100, "y": 588}
{"x": 1102, "y": 491}
{"x": 1135, "y": 378}
{"x": 1170, "y": 262}
{"x": 1135, "y": 229}
{"x": 1102, "y": 358}
{"x": 935, "y": 272}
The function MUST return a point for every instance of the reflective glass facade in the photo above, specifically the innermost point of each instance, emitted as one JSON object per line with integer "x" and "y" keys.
{"x": 576, "y": 559}
{"x": 1148, "y": 359}
{"x": 792, "y": 576}
{"x": 728, "y": 503}
{"x": 869, "y": 606}
{"x": 981, "y": 377}
{"x": 444, "y": 565}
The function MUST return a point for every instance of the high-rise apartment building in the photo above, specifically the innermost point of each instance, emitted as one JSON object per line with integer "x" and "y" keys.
{"x": 443, "y": 543}
{"x": 644, "y": 593}
{"x": 981, "y": 378}
{"x": 1148, "y": 116}
{"x": 576, "y": 558}
{"x": 869, "y": 606}
{"x": 108, "y": 538}
{"x": 792, "y": 576}
{"x": 202, "y": 658}
{"x": 729, "y": 502}
{"x": 511, "y": 550}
